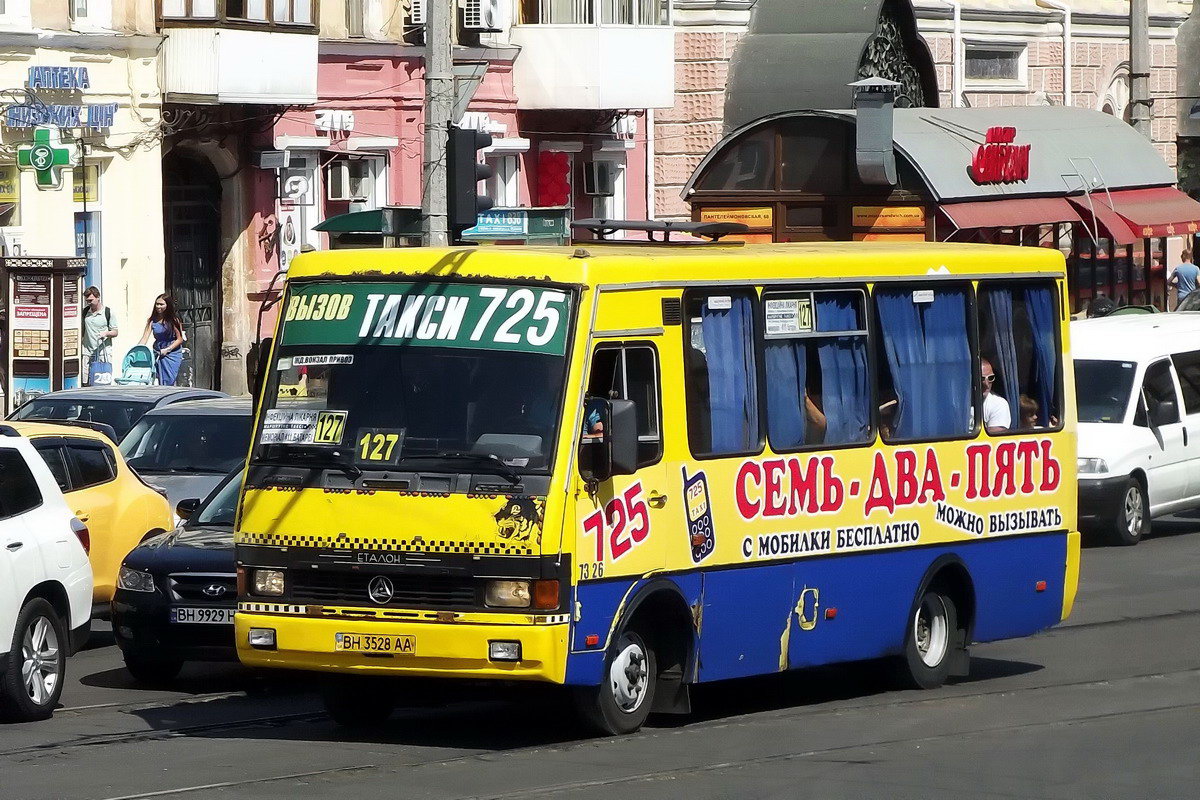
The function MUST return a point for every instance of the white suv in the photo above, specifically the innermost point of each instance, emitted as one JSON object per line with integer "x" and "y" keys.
{"x": 45, "y": 583}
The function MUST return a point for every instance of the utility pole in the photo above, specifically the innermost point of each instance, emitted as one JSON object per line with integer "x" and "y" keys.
{"x": 439, "y": 103}
{"x": 1139, "y": 66}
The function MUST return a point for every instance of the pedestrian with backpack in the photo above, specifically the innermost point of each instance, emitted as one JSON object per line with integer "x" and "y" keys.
{"x": 99, "y": 329}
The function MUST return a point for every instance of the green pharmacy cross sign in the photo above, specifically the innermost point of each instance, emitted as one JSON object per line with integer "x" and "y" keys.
{"x": 46, "y": 157}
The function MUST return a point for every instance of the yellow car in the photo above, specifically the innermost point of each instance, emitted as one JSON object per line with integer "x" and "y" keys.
{"x": 117, "y": 506}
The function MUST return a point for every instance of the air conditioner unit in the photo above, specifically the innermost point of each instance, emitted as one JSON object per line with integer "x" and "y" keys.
{"x": 598, "y": 178}
{"x": 481, "y": 15}
{"x": 416, "y": 12}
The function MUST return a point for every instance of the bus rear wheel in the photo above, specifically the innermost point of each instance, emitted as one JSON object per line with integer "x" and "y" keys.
{"x": 930, "y": 640}
{"x": 622, "y": 701}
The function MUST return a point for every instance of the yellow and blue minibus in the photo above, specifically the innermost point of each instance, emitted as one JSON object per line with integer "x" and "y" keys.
{"x": 628, "y": 469}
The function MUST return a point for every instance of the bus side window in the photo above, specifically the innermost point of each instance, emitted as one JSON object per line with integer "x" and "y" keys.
{"x": 722, "y": 373}
{"x": 817, "y": 379}
{"x": 926, "y": 361}
{"x": 630, "y": 372}
{"x": 1019, "y": 339}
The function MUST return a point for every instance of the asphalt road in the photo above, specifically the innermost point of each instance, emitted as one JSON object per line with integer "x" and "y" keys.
{"x": 1104, "y": 706}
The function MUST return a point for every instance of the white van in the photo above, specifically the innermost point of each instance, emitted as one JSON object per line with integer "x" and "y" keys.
{"x": 1137, "y": 387}
{"x": 45, "y": 582}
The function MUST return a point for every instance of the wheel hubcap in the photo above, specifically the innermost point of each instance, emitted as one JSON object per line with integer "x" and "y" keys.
{"x": 629, "y": 678}
{"x": 40, "y": 667}
{"x": 1133, "y": 510}
{"x": 931, "y": 631}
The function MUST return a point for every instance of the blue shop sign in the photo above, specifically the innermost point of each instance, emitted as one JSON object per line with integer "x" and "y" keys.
{"x": 50, "y": 82}
{"x": 58, "y": 78}
{"x": 32, "y": 116}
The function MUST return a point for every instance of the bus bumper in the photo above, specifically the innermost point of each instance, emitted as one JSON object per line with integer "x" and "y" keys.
{"x": 446, "y": 650}
{"x": 1071, "y": 576}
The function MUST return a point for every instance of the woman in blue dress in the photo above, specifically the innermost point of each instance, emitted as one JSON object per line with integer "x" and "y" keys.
{"x": 165, "y": 327}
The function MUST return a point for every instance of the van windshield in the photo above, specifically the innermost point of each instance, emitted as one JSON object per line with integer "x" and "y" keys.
{"x": 1102, "y": 389}
{"x": 459, "y": 377}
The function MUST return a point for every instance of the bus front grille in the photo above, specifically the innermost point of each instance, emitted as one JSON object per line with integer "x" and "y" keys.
{"x": 333, "y": 587}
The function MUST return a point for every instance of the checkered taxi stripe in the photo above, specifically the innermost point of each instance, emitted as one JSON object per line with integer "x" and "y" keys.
{"x": 380, "y": 613}
{"x": 401, "y": 545}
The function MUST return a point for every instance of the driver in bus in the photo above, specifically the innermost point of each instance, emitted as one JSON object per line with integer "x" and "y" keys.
{"x": 996, "y": 415}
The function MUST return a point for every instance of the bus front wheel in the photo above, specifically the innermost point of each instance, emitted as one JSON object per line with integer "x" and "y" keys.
{"x": 930, "y": 641}
{"x": 622, "y": 701}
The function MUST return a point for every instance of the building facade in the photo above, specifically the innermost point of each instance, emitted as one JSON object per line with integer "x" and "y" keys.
{"x": 80, "y": 80}
{"x": 986, "y": 53}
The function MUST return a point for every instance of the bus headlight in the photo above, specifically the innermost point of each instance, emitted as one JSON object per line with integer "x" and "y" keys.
{"x": 1092, "y": 466}
{"x": 268, "y": 582}
{"x": 507, "y": 594}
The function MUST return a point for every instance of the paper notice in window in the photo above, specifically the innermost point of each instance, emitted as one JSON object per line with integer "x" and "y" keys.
{"x": 282, "y": 426}
{"x": 788, "y": 316}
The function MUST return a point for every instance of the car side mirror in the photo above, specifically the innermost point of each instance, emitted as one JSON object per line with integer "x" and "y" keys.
{"x": 614, "y": 451}
{"x": 186, "y": 508}
{"x": 1165, "y": 412}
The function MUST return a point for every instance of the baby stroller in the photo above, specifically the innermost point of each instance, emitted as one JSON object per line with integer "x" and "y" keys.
{"x": 137, "y": 368}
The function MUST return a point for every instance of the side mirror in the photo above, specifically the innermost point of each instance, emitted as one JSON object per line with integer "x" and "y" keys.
{"x": 1165, "y": 412}
{"x": 614, "y": 452}
{"x": 186, "y": 508}
{"x": 261, "y": 365}
{"x": 622, "y": 437}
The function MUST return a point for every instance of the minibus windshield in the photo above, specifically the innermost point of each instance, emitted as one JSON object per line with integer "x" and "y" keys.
{"x": 1102, "y": 389}
{"x": 451, "y": 377}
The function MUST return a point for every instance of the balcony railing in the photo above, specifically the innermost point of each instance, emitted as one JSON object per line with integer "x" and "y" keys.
{"x": 592, "y": 12}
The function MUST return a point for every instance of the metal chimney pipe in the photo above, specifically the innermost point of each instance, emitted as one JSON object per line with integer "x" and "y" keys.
{"x": 874, "y": 152}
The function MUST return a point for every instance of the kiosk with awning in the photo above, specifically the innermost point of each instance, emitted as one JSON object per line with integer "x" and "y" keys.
{"x": 1077, "y": 180}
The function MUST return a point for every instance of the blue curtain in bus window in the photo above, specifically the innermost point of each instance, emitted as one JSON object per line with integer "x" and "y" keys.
{"x": 786, "y": 366}
{"x": 904, "y": 344}
{"x": 733, "y": 399}
{"x": 948, "y": 347}
{"x": 930, "y": 359}
{"x": 845, "y": 396}
{"x": 1039, "y": 304}
{"x": 1000, "y": 303}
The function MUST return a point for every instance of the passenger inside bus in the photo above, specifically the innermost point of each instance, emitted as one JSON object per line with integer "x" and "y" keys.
{"x": 997, "y": 418}
{"x": 1018, "y": 345}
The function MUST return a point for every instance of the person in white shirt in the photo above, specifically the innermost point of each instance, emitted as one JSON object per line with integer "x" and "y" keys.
{"x": 997, "y": 418}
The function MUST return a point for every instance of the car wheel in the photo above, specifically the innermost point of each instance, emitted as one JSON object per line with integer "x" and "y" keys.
{"x": 622, "y": 701}
{"x": 1132, "y": 520}
{"x": 929, "y": 640}
{"x": 152, "y": 670}
{"x": 358, "y": 702}
{"x": 37, "y": 659}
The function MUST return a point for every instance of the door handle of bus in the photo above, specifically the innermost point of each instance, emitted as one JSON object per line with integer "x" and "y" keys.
{"x": 13, "y": 547}
{"x": 656, "y": 500}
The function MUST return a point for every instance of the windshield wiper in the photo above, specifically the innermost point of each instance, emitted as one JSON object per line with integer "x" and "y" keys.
{"x": 482, "y": 459}
{"x": 317, "y": 460}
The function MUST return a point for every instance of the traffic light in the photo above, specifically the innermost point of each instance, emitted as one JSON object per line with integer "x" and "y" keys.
{"x": 464, "y": 172}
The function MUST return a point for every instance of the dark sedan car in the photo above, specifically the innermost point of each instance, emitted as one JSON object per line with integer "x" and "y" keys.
{"x": 187, "y": 448}
{"x": 176, "y": 593}
{"x": 118, "y": 406}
